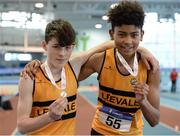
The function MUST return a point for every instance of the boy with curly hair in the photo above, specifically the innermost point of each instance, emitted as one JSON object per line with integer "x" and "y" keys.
{"x": 127, "y": 90}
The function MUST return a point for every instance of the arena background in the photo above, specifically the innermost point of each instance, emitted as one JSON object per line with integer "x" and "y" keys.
{"x": 22, "y": 29}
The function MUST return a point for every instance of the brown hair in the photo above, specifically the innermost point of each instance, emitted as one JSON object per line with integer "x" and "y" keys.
{"x": 61, "y": 30}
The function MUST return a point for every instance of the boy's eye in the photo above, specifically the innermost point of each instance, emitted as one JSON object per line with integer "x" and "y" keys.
{"x": 55, "y": 46}
{"x": 135, "y": 35}
{"x": 121, "y": 35}
{"x": 69, "y": 47}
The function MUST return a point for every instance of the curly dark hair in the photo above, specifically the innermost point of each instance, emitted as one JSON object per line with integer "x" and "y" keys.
{"x": 61, "y": 30}
{"x": 128, "y": 13}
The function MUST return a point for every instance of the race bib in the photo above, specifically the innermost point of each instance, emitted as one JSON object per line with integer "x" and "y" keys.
{"x": 115, "y": 119}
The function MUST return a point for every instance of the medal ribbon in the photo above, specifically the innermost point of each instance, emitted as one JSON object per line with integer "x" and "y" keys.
{"x": 126, "y": 65}
{"x": 50, "y": 76}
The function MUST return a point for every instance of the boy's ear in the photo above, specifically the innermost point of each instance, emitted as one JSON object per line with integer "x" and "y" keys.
{"x": 111, "y": 32}
{"x": 142, "y": 34}
{"x": 44, "y": 45}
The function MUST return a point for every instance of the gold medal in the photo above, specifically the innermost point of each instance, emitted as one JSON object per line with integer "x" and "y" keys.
{"x": 63, "y": 93}
{"x": 133, "y": 81}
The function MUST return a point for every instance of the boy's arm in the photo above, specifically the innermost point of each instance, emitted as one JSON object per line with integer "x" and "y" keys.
{"x": 26, "y": 124}
{"x": 80, "y": 59}
{"x": 77, "y": 61}
{"x": 150, "y": 107}
{"x": 93, "y": 64}
{"x": 147, "y": 95}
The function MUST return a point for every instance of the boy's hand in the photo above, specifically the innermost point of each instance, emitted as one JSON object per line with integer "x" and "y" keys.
{"x": 149, "y": 60}
{"x": 141, "y": 92}
{"x": 56, "y": 109}
{"x": 30, "y": 69}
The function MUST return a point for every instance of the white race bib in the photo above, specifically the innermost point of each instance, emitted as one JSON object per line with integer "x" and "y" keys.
{"x": 115, "y": 119}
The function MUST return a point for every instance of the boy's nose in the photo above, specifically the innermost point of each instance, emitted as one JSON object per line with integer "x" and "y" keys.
{"x": 128, "y": 40}
{"x": 62, "y": 51}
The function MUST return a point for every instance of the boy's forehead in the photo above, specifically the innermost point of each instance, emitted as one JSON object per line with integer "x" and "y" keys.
{"x": 54, "y": 41}
{"x": 127, "y": 28}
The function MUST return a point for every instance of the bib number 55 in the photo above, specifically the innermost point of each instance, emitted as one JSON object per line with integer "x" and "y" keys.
{"x": 113, "y": 122}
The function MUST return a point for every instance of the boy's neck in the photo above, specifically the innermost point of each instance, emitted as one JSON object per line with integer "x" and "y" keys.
{"x": 129, "y": 58}
{"x": 56, "y": 72}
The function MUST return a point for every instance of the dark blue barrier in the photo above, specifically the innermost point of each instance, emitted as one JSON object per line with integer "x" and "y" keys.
{"x": 10, "y": 71}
